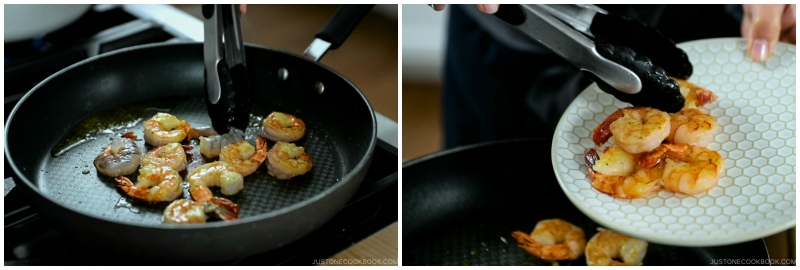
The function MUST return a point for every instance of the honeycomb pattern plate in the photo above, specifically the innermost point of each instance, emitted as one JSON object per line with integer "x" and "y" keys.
{"x": 755, "y": 195}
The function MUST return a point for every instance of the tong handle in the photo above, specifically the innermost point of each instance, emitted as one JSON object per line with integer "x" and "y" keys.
{"x": 569, "y": 44}
{"x": 342, "y": 23}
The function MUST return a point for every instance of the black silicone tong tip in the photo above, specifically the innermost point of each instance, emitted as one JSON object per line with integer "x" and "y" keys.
{"x": 658, "y": 90}
{"x": 644, "y": 40}
{"x": 233, "y": 108}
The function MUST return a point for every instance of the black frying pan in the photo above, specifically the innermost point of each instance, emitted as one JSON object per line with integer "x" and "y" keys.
{"x": 460, "y": 207}
{"x": 340, "y": 136}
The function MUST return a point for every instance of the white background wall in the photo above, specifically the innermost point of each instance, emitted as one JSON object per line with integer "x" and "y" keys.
{"x": 423, "y": 42}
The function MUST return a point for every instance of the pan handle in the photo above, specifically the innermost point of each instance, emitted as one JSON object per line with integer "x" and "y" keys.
{"x": 336, "y": 30}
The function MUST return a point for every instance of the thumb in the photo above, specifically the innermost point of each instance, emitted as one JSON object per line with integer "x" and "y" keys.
{"x": 762, "y": 28}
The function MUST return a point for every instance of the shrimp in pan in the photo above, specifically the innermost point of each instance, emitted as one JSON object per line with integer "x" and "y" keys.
{"x": 607, "y": 245}
{"x": 283, "y": 127}
{"x": 188, "y": 211}
{"x": 618, "y": 174}
{"x": 155, "y": 184}
{"x": 244, "y": 157}
{"x": 211, "y": 146}
{"x": 164, "y": 128}
{"x": 121, "y": 157}
{"x": 687, "y": 169}
{"x": 214, "y": 174}
{"x": 553, "y": 240}
{"x": 286, "y": 160}
{"x": 635, "y": 129}
{"x": 172, "y": 155}
{"x": 692, "y": 126}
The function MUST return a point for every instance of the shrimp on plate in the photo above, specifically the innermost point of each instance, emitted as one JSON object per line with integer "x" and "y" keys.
{"x": 687, "y": 169}
{"x": 164, "y": 128}
{"x": 695, "y": 95}
{"x": 286, "y": 160}
{"x": 211, "y": 146}
{"x": 214, "y": 174}
{"x": 618, "y": 174}
{"x": 635, "y": 129}
{"x": 553, "y": 240}
{"x": 692, "y": 126}
{"x": 121, "y": 157}
{"x": 607, "y": 245}
{"x": 283, "y": 127}
{"x": 172, "y": 155}
{"x": 188, "y": 211}
{"x": 155, "y": 184}
{"x": 244, "y": 157}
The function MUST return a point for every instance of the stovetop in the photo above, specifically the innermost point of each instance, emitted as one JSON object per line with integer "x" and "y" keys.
{"x": 31, "y": 240}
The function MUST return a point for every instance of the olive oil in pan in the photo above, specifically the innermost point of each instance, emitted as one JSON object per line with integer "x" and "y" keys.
{"x": 109, "y": 121}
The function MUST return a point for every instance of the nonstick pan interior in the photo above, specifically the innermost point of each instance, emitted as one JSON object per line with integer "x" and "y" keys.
{"x": 461, "y": 206}
{"x": 172, "y": 75}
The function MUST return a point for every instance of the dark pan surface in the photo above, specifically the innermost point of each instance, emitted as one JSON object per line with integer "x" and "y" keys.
{"x": 340, "y": 134}
{"x": 63, "y": 177}
{"x": 461, "y": 206}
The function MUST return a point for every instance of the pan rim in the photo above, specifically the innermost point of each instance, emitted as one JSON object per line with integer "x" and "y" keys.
{"x": 465, "y": 148}
{"x": 365, "y": 159}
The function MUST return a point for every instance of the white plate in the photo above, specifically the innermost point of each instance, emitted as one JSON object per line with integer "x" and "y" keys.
{"x": 755, "y": 196}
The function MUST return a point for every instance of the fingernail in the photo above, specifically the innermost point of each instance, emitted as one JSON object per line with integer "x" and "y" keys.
{"x": 759, "y": 50}
{"x": 490, "y": 8}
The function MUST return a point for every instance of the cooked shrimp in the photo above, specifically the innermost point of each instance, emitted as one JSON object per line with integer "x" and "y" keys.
{"x": 196, "y": 132}
{"x": 286, "y": 160}
{"x": 688, "y": 169}
{"x": 120, "y": 157}
{"x": 244, "y": 157}
{"x": 165, "y": 128}
{"x": 212, "y": 145}
{"x": 692, "y": 126}
{"x": 695, "y": 95}
{"x": 188, "y": 211}
{"x": 155, "y": 184}
{"x": 283, "y": 127}
{"x": 214, "y": 174}
{"x": 617, "y": 174}
{"x": 172, "y": 155}
{"x": 635, "y": 129}
{"x": 607, "y": 245}
{"x": 553, "y": 240}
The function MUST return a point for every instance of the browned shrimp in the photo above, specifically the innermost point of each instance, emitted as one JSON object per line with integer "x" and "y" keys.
{"x": 607, "y": 245}
{"x": 243, "y": 156}
{"x": 635, "y": 129}
{"x": 553, "y": 240}
{"x": 688, "y": 169}
{"x": 617, "y": 174}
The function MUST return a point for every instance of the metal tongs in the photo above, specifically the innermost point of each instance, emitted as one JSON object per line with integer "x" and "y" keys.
{"x": 227, "y": 86}
{"x": 547, "y": 24}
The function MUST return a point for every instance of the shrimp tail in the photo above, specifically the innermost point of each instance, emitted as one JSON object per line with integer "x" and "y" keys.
{"x": 201, "y": 194}
{"x": 602, "y": 132}
{"x": 704, "y": 96}
{"x": 551, "y": 253}
{"x": 129, "y": 135}
{"x": 654, "y": 157}
{"x": 525, "y": 242}
{"x": 227, "y": 210}
{"x": 127, "y": 186}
